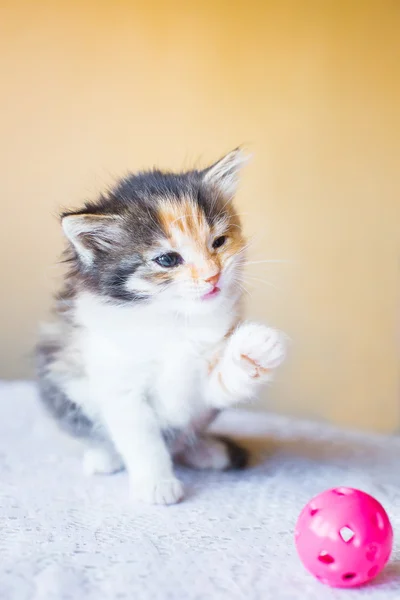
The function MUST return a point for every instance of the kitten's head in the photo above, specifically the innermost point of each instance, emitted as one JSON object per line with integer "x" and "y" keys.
{"x": 174, "y": 239}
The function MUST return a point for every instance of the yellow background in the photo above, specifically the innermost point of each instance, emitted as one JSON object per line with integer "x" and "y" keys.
{"x": 92, "y": 89}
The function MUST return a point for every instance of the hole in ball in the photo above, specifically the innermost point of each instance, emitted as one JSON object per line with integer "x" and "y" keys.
{"x": 346, "y": 534}
{"x": 313, "y": 511}
{"x": 373, "y": 571}
{"x": 371, "y": 553}
{"x": 348, "y": 576}
{"x": 326, "y": 558}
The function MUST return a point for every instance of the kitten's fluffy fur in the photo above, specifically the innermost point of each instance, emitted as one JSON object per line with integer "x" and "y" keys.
{"x": 148, "y": 343}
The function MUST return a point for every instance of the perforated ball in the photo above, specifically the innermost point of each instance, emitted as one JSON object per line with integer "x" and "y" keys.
{"x": 344, "y": 537}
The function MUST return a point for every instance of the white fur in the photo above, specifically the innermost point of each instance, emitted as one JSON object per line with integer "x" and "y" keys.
{"x": 207, "y": 453}
{"x": 148, "y": 371}
{"x": 249, "y": 358}
{"x": 224, "y": 174}
{"x": 167, "y": 365}
{"x": 79, "y": 228}
{"x": 101, "y": 461}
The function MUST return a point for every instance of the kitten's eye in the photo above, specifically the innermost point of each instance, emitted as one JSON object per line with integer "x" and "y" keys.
{"x": 219, "y": 241}
{"x": 169, "y": 260}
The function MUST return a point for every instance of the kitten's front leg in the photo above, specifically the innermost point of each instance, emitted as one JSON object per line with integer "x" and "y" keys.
{"x": 136, "y": 435}
{"x": 249, "y": 358}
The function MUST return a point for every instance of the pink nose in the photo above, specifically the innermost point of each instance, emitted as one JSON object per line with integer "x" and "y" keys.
{"x": 213, "y": 280}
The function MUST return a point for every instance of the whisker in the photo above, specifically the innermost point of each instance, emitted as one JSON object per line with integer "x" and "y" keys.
{"x": 263, "y": 281}
{"x": 242, "y": 287}
{"x": 271, "y": 261}
{"x": 229, "y": 200}
{"x": 245, "y": 247}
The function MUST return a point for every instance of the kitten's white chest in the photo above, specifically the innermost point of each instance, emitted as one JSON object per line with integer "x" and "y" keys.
{"x": 179, "y": 373}
{"x": 177, "y": 390}
{"x": 146, "y": 352}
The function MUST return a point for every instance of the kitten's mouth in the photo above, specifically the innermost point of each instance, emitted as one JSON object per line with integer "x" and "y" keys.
{"x": 214, "y": 292}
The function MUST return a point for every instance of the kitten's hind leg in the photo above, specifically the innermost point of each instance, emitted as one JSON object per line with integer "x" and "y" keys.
{"x": 215, "y": 453}
{"x": 101, "y": 460}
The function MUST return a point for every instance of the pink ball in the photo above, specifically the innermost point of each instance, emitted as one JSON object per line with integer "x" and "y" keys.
{"x": 344, "y": 537}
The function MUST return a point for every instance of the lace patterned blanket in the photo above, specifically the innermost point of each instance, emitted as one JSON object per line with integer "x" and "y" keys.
{"x": 64, "y": 536}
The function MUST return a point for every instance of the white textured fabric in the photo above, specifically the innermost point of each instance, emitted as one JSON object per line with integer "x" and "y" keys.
{"x": 66, "y": 536}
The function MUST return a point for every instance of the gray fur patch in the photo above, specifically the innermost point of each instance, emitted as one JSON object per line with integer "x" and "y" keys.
{"x": 68, "y": 415}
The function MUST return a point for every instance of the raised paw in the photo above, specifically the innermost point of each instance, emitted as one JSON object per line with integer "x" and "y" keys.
{"x": 258, "y": 349}
{"x": 161, "y": 491}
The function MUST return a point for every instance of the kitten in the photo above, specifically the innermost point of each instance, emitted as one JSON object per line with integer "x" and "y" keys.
{"x": 148, "y": 343}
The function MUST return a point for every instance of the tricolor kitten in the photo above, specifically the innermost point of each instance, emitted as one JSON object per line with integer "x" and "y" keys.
{"x": 149, "y": 342}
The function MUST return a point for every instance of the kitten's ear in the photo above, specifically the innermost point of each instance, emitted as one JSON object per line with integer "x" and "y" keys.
{"x": 90, "y": 234}
{"x": 224, "y": 174}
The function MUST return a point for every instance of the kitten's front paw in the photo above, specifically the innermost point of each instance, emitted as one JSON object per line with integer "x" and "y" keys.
{"x": 252, "y": 353}
{"x": 258, "y": 349}
{"x": 161, "y": 491}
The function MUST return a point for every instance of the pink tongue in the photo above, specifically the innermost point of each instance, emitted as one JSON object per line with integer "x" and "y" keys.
{"x": 212, "y": 293}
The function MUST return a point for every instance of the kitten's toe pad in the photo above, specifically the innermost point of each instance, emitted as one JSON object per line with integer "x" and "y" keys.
{"x": 99, "y": 461}
{"x": 259, "y": 349}
{"x": 162, "y": 491}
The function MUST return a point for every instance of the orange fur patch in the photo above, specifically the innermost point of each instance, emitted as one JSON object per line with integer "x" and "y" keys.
{"x": 186, "y": 218}
{"x": 185, "y": 221}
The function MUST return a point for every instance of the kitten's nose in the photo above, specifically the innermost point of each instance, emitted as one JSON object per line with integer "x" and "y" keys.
{"x": 213, "y": 280}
